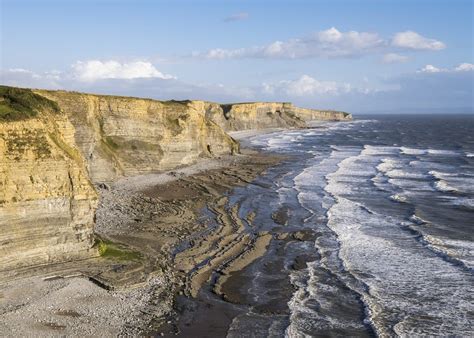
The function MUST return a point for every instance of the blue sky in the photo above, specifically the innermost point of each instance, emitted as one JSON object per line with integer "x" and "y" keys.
{"x": 360, "y": 56}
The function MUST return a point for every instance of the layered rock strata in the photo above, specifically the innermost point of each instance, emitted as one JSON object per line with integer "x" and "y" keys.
{"x": 122, "y": 136}
{"x": 47, "y": 202}
{"x": 261, "y": 115}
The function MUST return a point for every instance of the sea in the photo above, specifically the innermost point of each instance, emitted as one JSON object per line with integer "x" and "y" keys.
{"x": 390, "y": 200}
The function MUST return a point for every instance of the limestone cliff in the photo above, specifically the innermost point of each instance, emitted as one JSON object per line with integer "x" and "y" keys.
{"x": 47, "y": 202}
{"x": 260, "y": 115}
{"x": 121, "y": 136}
{"x": 323, "y": 115}
{"x": 256, "y": 115}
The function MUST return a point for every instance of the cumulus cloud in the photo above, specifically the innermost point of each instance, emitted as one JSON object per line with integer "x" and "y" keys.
{"x": 330, "y": 43}
{"x": 430, "y": 69}
{"x": 237, "y": 17}
{"x": 149, "y": 87}
{"x": 94, "y": 70}
{"x": 304, "y": 86}
{"x": 394, "y": 58}
{"x": 20, "y": 77}
{"x": 413, "y": 40}
{"x": 327, "y": 43}
{"x": 430, "y": 87}
{"x": 464, "y": 67}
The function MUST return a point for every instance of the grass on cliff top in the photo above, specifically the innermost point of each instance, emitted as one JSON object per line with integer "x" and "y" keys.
{"x": 19, "y": 104}
{"x": 114, "y": 250}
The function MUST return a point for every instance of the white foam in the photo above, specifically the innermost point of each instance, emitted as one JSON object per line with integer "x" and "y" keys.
{"x": 469, "y": 154}
{"x": 398, "y": 198}
{"x": 386, "y": 258}
{"x": 388, "y": 164}
{"x": 416, "y": 151}
{"x": 413, "y": 151}
{"x": 443, "y": 186}
{"x": 398, "y": 173}
{"x": 442, "y": 152}
{"x": 453, "y": 182}
{"x": 463, "y": 202}
{"x": 417, "y": 220}
{"x": 380, "y": 150}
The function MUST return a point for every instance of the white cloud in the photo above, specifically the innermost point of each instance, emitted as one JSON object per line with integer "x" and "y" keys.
{"x": 331, "y": 43}
{"x": 328, "y": 43}
{"x": 394, "y": 58}
{"x": 413, "y": 40}
{"x": 465, "y": 67}
{"x": 430, "y": 69}
{"x": 306, "y": 86}
{"x": 237, "y": 17}
{"x": 94, "y": 70}
{"x": 25, "y": 72}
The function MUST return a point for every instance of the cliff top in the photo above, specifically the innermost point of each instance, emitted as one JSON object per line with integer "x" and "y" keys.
{"x": 23, "y": 103}
{"x": 20, "y": 104}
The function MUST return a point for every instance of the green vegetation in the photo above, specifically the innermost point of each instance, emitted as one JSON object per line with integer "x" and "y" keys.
{"x": 19, "y": 104}
{"x": 111, "y": 143}
{"x": 70, "y": 151}
{"x": 19, "y": 142}
{"x": 173, "y": 124}
{"x": 116, "y": 250}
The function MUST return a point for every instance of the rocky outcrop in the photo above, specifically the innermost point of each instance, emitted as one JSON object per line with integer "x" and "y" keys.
{"x": 122, "y": 136}
{"x": 47, "y": 202}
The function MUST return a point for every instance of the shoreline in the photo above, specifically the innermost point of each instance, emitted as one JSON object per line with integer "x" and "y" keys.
{"x": 159, "y": 217}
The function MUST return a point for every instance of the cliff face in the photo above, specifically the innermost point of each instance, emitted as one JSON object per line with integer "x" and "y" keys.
{"x": 47, "y": 202}
{"x": 257, "y": 115}
{"x": 127, "y": 136}
{"x": 260, "y": 115}
{"x": 323, "y": 115}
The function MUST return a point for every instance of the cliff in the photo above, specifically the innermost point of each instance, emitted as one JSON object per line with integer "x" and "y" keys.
{"x": 321, "y": 115}
{"x": 47, "y": 202}
{"x": 261, "y": 115}
{"x": 54, "y": 145}
{"x": 122, "y": 136}
{"x": 256, "y": 115}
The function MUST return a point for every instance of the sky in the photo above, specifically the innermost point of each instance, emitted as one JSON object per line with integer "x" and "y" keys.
{"x": 366, "y": 56}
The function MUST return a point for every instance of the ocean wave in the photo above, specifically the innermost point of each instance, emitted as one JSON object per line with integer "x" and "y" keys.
{"x": 398, "y": 198}
{"x": 418, "y": 220}
{"x": 380, "y": 252}
{"x": 379, "y": 150}
{"x": 413, "y": 151}
{"x": 457, "y": 252}
{"x": 442, "y": 152}
{"x": 369, "y": 241}
{"x": 443, "y": 186}
{"x": 398, "y": 173}
{"x": 453, "y": 182}
{"x": 469, "y": 154}
{"x": 441, "y": 183}
{"x": 411, "y": 185}
{"x": 388, "y": 164}
{"x": 467, "y": 203}
{"x": 430, "y": 151}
